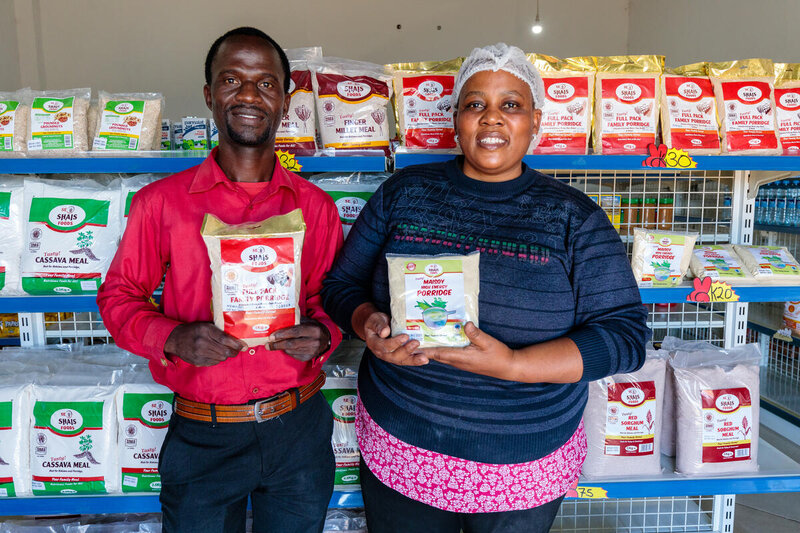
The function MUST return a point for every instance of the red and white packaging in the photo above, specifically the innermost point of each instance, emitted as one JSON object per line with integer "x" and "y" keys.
{"x": 746, "y": 104}
{"x": 787, "y": 106}
{"x": 297, "y": 131}
{"x": 727, "y": 424}
{"x": 689, "y": 114}
{"x": 352, "y": 99}
{"x": 626, "y": 113}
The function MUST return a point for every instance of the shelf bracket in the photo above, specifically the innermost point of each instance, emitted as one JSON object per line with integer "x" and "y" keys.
{"x": 31, "y": 330}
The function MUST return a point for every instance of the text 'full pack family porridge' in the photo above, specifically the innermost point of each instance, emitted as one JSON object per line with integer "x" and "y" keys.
{"x": 434, "y": 296}
{"x": 688, "y": 110}
{"x": 71, "y": 232}
{"x": 787, "y": 106}
{"x": 352, "y": 99}
{"x": 255, "y": 274}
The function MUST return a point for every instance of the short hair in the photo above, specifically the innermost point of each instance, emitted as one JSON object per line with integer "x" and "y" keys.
{"x": 253, "y": 32}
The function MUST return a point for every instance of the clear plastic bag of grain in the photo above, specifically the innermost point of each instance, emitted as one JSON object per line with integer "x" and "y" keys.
{"x": 127, "y": 121}
{"x": 58, "y": 122}
{"x": 255, "y": 274}
{"x": 14, "y": 113}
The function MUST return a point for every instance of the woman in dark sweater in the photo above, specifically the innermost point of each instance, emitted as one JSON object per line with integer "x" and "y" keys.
{"x": 487, "y": 437}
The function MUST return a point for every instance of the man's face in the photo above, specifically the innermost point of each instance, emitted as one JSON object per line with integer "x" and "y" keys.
{"x": 246, "y": 95}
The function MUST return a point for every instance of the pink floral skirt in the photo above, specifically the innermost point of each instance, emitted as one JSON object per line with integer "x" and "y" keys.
{"x": 463, "y": 486}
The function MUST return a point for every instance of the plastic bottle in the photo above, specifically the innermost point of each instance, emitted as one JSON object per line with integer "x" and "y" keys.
{"x": 793, "y": 205}
{"x": 758, "y": 208}
{"x": 769, "y": 194}
{"x": 780, "y": 204}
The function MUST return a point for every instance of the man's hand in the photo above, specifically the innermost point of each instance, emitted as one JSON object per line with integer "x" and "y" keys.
{"x": 396, "y": 350}
{"x": 484, "y": 355}
{"x": 202, "y": 344}
{"x": 304, "y": 342}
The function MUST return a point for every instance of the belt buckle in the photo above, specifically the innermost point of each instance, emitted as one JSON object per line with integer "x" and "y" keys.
{"x": 257, "y": 409}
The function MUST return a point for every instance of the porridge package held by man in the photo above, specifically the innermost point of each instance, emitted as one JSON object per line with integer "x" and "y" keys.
{"x": 568, "y": 98}
{"x": 255, "y": 274}
{"x": 787, "y": 106}
{"x": 12, "y": 191}
{"x": 297, "y": 131}
{"x": 352, "y": 97}
{"x": 745, "y": 105}
{"x": 434, "y": 296}
{"x": 58, "y": 121}
{"x": 627, "y": 100}
{"x": 717, "y": 408}
{"x": 15, "y": 108}
{"x": 661, "y": 258}
{"x": 689, "y": 111}
{"x": 422, "y": 105}
{"x": 623, "y": 421}
{"x": 127, "y": 121}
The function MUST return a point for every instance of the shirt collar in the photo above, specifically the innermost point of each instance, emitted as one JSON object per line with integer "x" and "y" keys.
{"x": 209, "y": 174}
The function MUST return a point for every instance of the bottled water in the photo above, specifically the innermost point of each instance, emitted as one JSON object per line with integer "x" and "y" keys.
{"x": 771, "y": 198}
{"x": 780, "y": 205}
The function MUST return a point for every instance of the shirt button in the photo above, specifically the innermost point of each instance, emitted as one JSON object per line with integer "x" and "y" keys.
{"x": 252, "y": 351}
{"x": 164, "y": 362}
{"x": 255, "y": 390}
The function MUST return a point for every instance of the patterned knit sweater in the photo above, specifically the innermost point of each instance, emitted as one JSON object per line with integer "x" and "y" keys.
{"x": 551, "y": 265}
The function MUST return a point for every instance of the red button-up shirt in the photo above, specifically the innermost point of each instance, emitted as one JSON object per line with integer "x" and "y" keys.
{"x": 163, "y": 238}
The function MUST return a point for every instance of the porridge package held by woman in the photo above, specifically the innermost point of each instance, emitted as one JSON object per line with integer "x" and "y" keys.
{"x": 787, "y": 106}
{"x": 352, "y": 97}
{"x": 350, "y": 192}
{"x": 568, "y": 98}
{"x": 661, "y": 258}
{"x": 745, "y": 104}
{"x": 718, "y": 262}
{"x": 717, "y": 410}
{"x": 58, "y": 121}
{"x": 127, "y": 121}
{"x": 769, "y": 264}
{"x": 627, "y": 99}
{"x": 423, "y": 110}
{"x": 71, "y": 234}
{"x": 688, "y": 110}
{"x": 297, "y": 131}
{"x": 623, "y": 421}
{"x": 434, "y": 296}
{"x": 255, "y": 274}
{"x": 14, "y": 114}
{"x": 12, "y": 192}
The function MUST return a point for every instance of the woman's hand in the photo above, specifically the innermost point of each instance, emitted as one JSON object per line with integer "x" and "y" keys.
{"x": 485, "y": 355}
{"x": 373, "y": 327}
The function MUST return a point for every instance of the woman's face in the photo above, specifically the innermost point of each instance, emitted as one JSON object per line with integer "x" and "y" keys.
{"x": 495, "y": 123}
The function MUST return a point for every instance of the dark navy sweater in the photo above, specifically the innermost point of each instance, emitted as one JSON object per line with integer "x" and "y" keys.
{"x": 551, "y": 265}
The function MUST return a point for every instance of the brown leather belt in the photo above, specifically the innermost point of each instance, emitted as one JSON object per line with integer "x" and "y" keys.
{"x": 259, "y": 411}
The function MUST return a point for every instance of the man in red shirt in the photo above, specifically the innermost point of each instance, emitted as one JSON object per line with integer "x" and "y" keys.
{"x": 248, "y": 422}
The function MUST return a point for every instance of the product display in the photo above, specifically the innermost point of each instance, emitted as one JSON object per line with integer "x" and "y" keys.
{"x": 422, "y": 103}
{"x": 71, "y": 234}
{"x": 623, "y": 421}
{"x": 718, "y": 262}
{"x": 717, "y": 410}
{"x": 297, "y": 131}
{"x": 194, "y": 133}
{"x": 352, "y": 97}
{"x": 213, "y": 134}
{"x": 791, "y": 317}
{"x": 127, "y": 121}
{"x": 11, "y": 237}
{"x": 58, "y": 121}
{"x": 627, "y": 99}
{"x": 787, "y": 106}
{"x": 433, "y": 296}
{"x": 340, "y": 392}
{"x": 661, "y": 258}
{"x": 568, "y": 103}
{"x": 131, "y": 186}
{"x": 177, "y": 135}
{"x": 166, "y": 134}
{"x": 255, "y": 270}
{"x": 14, "y": 115}
{"x": 14, "y": 424}
{"x": 349, "y": 191}
{"x": 769, "y": 264}
{"x": 689, "y": 111}
{"x": 745, "y": 102}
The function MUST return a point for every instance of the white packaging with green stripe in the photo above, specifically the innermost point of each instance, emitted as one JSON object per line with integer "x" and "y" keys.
{"x": 130, "y": 186}
{"x": 143, "y": 413}
{"x": 341, "y": 395}
{"x": 350, "y": 192}
{"x": 58, "y": 121}
{"x": 14, "y": 111}
{"x": 71, "y": 233}
{"x": 11, "y": 239}
{"x": 14, "y": 428}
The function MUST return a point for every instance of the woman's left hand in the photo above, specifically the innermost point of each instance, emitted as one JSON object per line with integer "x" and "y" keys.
{"x": 485, "y": 355}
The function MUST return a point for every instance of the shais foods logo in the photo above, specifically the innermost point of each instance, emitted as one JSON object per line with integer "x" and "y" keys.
{"x": 3, "y": 108}
{"x": 66, "y": 420}
{"x": 258, "y": 256}
{"x": 123, "y": 108}
{"x": 52, "y": 105}
{"x": 66, "y": 216}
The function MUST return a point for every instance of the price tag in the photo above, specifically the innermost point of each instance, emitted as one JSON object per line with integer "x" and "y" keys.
{"x": 784, "y": 334}
{"x": 708, "y": 290}
{"x": 589, "y": 493}
{"x": 663, "y": 157}
{"x": 288, "y": 161}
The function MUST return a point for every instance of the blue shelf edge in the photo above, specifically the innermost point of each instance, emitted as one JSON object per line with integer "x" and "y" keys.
{"x": 48, "y": 304}
{"x": 780, "y": 229}
{"x": 694, "y": 486}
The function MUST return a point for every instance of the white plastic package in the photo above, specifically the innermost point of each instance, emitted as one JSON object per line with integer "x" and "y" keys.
{"x": 127, "y": 121}
{"x": 12, "y": 203}
{"x": 350, "y": 192}
{"x": 71, "y": 234}
{"x": 14, "y": 114}
{"x": 341, "y": 395}
{"x": 769, "y": 264}
{"x": 14, "y": 434}
{"x": 58, "y": 122}
{"x": 131, "y": 186}
{"x": 718, "y": 262}
{"x": 661, "y": 258}
{"x": 717, "y": 408}
{"x": 623, "y": 421}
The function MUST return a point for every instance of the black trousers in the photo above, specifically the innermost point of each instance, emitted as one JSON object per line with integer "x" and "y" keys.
{"x": 388, "y": 511}
{"x": 285, "y": 465}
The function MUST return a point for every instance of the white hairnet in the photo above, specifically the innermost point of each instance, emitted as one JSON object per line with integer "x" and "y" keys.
{"x": 500, "y": 57}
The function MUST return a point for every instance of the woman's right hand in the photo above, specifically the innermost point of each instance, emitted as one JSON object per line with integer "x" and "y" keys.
{"x": 374, "y": 328}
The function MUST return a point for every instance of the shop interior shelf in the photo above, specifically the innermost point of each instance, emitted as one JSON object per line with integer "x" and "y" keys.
{"x": 780, "y": 395}
{"x": 780, "y": 229}
{"x": 764, "y": 320}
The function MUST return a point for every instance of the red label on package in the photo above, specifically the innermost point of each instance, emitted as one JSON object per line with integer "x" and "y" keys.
{"x": 727, "y": 429}
{"x": 692, "y": 113}
{"x": 566, "y": 116}
{"x": 629, "y": 114}
{"x": 749, "y": 122}
{"x": 631, "y": 419}
{"x": 787, "y": 102}
{"x": 426, "y": 111}
{"x": 258, "y": 285}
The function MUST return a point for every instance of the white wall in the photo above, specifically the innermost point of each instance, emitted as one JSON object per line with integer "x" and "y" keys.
{"x": 687, "y": 31}
{"x": 140, "y": 45}
{"x": 9, "y": 60}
